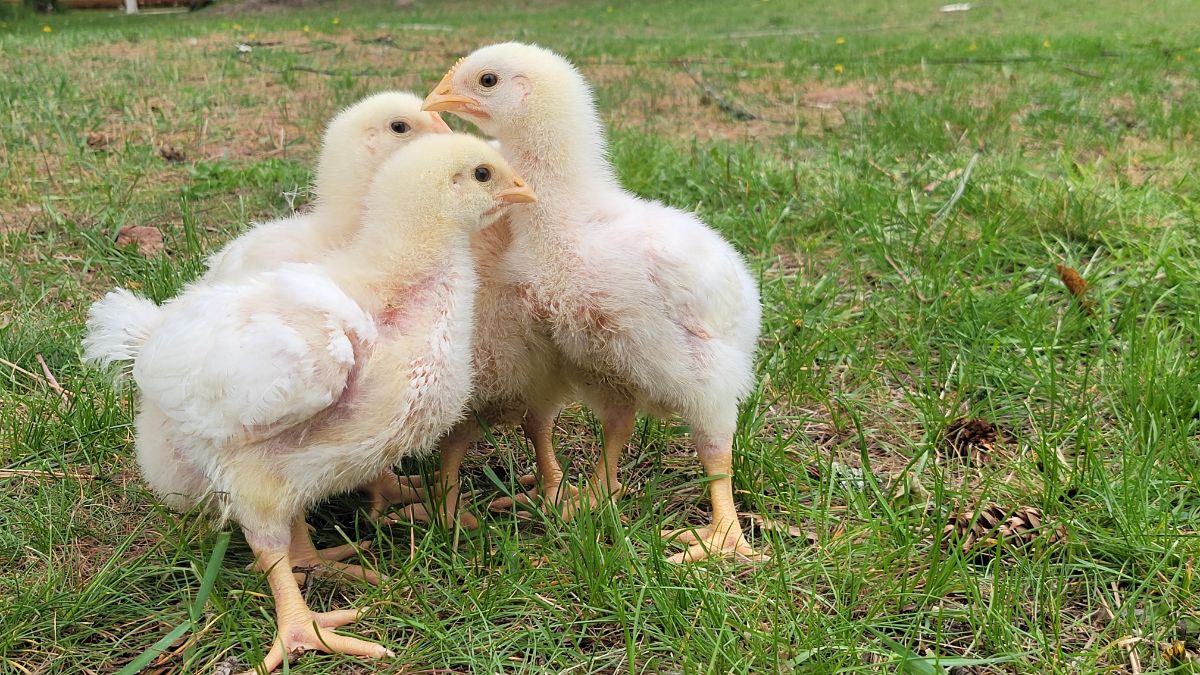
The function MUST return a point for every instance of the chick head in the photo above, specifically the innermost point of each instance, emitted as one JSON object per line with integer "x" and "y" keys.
{"x": 455, "y": 181}
{"x": 378, "y": 125}
{"x": 502, "y": 86}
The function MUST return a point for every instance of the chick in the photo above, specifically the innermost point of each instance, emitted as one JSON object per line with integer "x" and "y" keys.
{"x": 274, "y": 391}
{"x": 355, "y": 143}
{"x": 646, "y": 307}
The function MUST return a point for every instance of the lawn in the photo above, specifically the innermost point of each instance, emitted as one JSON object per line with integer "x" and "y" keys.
{"x": 923, "y": 195}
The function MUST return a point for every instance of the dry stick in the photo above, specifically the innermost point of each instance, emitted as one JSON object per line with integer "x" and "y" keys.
{"x": 39, "y": 473}
{"x": 1081, "y": 72}
{"x": 21, "y": 370}
{"x": 50, "y": 379}
{"x": 737, "y": 112}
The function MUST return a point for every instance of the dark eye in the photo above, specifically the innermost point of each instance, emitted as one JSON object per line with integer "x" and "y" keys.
{"x": 488, "y": 80}
{"x": 483, "y": 174}
{"x": 400, "y": 127}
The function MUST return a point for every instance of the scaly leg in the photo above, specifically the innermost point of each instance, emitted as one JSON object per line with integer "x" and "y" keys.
{"x": 441, "y": 497}
{"x": 306, "y": 558}
{"x": 539, "y": 429}
{"x": 723, "y": 536}
{"x": 548, "y": 485}
{"x": 300, "y": 628}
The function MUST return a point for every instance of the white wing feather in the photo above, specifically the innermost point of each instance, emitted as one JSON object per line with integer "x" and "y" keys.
{"x": 253, "y": 358}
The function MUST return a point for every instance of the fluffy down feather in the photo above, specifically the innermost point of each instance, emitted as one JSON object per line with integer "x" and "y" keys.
{"x": 645, "y": 306}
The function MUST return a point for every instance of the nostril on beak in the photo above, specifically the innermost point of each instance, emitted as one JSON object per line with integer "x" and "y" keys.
{"x": 518, "y": 182}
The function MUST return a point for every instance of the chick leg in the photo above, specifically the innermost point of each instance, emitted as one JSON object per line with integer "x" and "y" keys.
{"x": 617, "y": 423}
{"x": 440, "y": 497}
{"x": 300, "y": 628}
{"x": 723, "y": 536}
{"x": 548, "y": 483}
{"x": 308, "y": 560}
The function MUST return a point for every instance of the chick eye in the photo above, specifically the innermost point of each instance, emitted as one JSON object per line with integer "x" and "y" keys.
{"x": 483, "y": 174}
{"x": 488, "y": 80}
{"x": 400, "y": 127}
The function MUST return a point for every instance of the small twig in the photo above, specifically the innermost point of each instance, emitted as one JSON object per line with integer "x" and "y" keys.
{"x": 882, "y": 170}
{"x": 1081, "y": 72}
{"x": 908, "y": 282}
{"x": 737, "y": 112}
{"x": 958, "y": 192}
{"x": 52, "y": 381}
{"x": 39, "y": 473}
{"x": 21, "y": 370}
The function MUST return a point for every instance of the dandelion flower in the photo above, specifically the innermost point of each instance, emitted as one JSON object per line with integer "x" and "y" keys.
{"x": 251, "y": 36}
{"x": 1046, "y": 44}
{"x": 839, "y": 68}
{"x": 306, "y": 28}
{"x": 47, "y": 28}
{"x": 840, "y": 40}
{"x": 336, "y": 20}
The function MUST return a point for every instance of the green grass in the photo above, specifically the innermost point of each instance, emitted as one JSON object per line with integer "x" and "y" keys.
{"x": 891, "y": 311}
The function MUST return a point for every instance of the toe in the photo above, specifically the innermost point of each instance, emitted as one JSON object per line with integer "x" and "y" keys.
{"x": 344, "y": 644}
{"x": 342, "y": 552}
{"x": 687, "y": 535}
{"x": 413, "y": 513}
{"x": 336, "y": 618}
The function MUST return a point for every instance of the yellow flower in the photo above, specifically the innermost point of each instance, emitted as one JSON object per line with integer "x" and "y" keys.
{"x": 47, "y": 28}
{"x": 972, "y": 47}
{"x": 1046, "y": 44}
{"x": 251, "y": 36}
{"x": 336, "y": 21}
{"x": 839, "y": 68}
{"x": 840, "y": 40}
{"x": 237, "y": 26}
{"x": 306, "y": 28}
{"x": 1179, "y": 57}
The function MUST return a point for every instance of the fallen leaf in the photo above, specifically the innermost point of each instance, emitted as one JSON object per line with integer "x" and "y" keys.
{"x": 172, "y": 154}
{"x": 147, "y": 238}
{"x": 771, "y": 525}
{"x": 98, "y": 140}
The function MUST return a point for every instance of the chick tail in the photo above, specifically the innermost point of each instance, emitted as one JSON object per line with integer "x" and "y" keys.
{"x": 117, "y": 327}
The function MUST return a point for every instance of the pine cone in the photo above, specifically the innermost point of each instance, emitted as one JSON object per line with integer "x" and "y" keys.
{"x": 980, "y": 531}
{"x": 972, "y": 439}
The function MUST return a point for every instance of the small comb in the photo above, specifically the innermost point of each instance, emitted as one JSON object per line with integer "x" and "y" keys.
{"x": 455, "y": 66}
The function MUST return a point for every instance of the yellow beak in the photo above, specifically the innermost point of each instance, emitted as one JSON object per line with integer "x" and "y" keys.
{"x": 520, "y": 193}
{"x": 443, "y": 99}
{"x": 438, "y": 125}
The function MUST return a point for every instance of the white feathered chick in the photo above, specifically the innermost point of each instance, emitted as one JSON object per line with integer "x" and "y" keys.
{"x": 279, "y": 389}
{"x": 647, "y": 307}
{"x": 355, "y": 143}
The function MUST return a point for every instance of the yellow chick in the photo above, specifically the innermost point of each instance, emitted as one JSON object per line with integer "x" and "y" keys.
{"x": 271, "y": 392}
{"x": 355, "y": 143}
{"x": 631, "y": 304}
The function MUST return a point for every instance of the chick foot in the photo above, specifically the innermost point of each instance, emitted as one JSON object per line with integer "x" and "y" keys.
{"x": 388, "y": 489}
{"x": 299, "y": 628}
{"x": 715, "y": 540}
{"x": 307, "y": 560}
{"x": 446, "y": 509}
{"x": 567, "y": 500}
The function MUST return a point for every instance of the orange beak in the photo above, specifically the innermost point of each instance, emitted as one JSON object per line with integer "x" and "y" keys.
{"x": 438, "y": 125}
{"x": 443, "y": 98}
{"x": 520, "y": 193}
